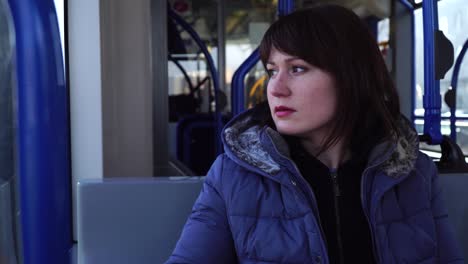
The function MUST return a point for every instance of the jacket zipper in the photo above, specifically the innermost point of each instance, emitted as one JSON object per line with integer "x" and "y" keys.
{"x": 374, "y": 248}
{"x": 336, "y": 197}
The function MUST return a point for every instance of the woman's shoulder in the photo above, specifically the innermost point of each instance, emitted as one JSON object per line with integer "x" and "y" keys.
{"x": 425, "y": 164}
{"x": 226, "y": 171}
{"x": 425, "y": 168}
{"x": 231, "y": 178}
{"x": 223, "y": 163}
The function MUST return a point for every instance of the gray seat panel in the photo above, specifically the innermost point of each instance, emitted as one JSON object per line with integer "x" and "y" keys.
{"x": 132, "y": 221}
{"x": 139, "y": 221}
{"x": 455, "y": 191}
{"x": 7, "y": 240}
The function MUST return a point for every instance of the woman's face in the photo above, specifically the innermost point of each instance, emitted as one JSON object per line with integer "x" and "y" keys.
{"x": 302, "y": 97}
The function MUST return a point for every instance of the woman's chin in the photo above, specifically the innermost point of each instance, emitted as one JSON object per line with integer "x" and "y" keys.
{"x": 287, "y": 131}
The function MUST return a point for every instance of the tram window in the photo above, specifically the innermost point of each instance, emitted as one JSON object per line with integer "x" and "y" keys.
{"x": 6, "y": 98}
{"x": 383, "y": 37}
{"x": 453, "y": 22}
{"x": 60, "y": 10}
{"x": 244, "y": 29}
{"x": 7, "y": 144}
{"x": 383, "y": 27}
{"x": 245, "y": 24}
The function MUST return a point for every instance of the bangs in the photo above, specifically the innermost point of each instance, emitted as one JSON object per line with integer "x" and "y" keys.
{"x": 302, "y": 35}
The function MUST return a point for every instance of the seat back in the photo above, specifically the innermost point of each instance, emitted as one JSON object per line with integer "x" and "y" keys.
{"x": 7, "y": 239}
{"x": 456, "y": 199}
{"x": 132, "y": 220}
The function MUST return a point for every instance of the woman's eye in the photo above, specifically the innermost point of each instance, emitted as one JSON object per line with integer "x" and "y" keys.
{"x": 298, "y": 69}
{"x": 271, "y": 72}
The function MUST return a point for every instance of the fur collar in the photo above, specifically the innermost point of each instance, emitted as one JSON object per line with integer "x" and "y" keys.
{"x": 404, "y": 153}
{"x": 244, "y": 136}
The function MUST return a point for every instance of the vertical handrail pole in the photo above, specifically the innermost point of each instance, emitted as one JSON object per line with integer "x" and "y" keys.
{"x": 221, "y": 70}
{"x": 238, "y": 87}
{"x": 431, "y": 98}
{"x": 454, "y": 84}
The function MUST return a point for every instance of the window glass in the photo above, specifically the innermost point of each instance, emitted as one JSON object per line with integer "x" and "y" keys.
{"x": 7, "y": 168}
{"x": 453, "y": 22}
{"x": 60, "y": 10}
{"x": 6, "y": 90}
{"x": 245, "y": 24}
{"x": 190, "y": 84}
{"x": 383, "y": 37}
{"x": 383, "y": 27}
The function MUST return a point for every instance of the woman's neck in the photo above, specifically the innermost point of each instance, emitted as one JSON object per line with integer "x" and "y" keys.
{"x": 332, "y": 157}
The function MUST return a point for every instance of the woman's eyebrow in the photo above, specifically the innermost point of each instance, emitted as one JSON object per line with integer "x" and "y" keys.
{"x": 293, "y": 59}
{"x": 290, "y": 59}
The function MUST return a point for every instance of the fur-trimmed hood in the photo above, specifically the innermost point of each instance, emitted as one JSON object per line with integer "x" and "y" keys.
{"x": 247, "y": 140}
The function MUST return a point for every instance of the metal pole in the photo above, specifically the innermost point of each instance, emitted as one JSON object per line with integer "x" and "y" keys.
{"x": 431, "y": 98}
{"x": 160, "y": 84}
{"x": 222, "y": 45}
{"x": 454, "y": 84}
{"x": 408, "y": 5}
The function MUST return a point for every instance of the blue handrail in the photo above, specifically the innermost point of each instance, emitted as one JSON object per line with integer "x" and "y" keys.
{"x": 454, "y": 84}
{"x": 285, "y": 7}
{"x": 43, "y": 136}
{"x": 184, "y": 72}
{"x": 237, "y": 87}
{"x": 431, "y": 98}
{"x": 213, "y": 72}
{"x": 408, "y": 5}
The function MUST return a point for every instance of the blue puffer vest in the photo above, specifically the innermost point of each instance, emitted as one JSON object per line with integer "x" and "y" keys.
{"x": 255, "y": 207}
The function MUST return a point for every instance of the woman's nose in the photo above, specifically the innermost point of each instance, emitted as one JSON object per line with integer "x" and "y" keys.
{"x": 279, "y": 86}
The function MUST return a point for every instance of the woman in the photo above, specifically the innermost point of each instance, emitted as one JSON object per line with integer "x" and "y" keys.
{"x": 329, "y": 171}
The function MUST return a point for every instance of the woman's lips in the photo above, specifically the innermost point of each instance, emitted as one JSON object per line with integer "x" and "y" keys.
{"x": 283, "y": 111}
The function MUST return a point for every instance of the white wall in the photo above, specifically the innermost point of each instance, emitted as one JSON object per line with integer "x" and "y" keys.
{"x": 85, "y": 92}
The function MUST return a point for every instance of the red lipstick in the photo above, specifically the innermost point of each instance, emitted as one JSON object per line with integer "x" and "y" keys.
{"x": 283, "y": 111}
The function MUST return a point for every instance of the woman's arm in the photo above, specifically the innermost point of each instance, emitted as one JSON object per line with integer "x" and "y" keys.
{"x": 206, "y": 237}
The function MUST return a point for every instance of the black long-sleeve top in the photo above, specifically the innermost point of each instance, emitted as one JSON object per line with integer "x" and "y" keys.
{"x": 338, "y": 195}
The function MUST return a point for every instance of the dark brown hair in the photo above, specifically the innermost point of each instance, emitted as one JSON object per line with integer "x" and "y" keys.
{"x": 335, "y": 40}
